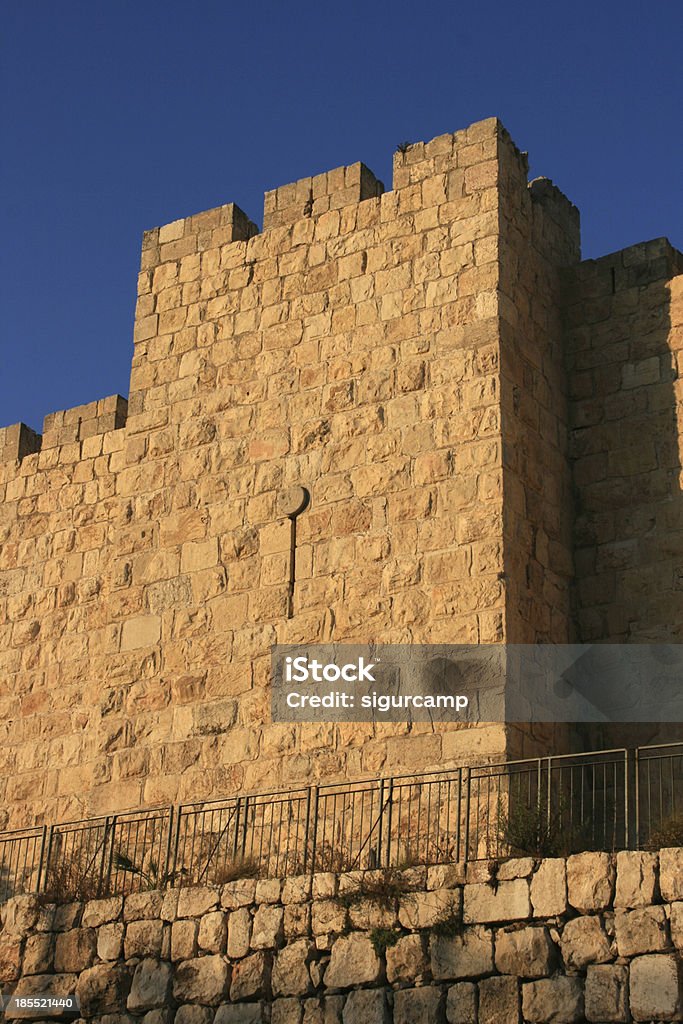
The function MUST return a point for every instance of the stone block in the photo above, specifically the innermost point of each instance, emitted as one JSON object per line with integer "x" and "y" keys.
{"x": 370, "y": 1005}
{"x": 607, "y": 993}
{"x": 296, "y": 889}
{"x": 656, "y": 988}
{"x": 637, "y": 879}
{"x": 204, "y": 980}
{"x": 499, "y": 1001}
{"x": 291, "y": 976}
{"x": 526, "y": 952}
{"x": 189, "y": 1014}
{"x": 267, "y": 927}
{"x": 110, "y": 941}
{"x": 406, "y": 960}
{"x": 141, "y": 906}
{"x": 461, "y": 1003}
{"x": 239, "y": 893}
{"x": 151, "y": 986}
{"x": 213, "y": 932}
{"x": 10, "y": 957}
{"x": 247, "y": 1013}
{"x": 467, "y": 955}
{"x": 425, "y": 909}
{"x": 184, "y": 940}
{"x": 676, "y": 925}
{"x": 584, "y": 941}
{"x": 141, "y": 631}
{"x": 103, "y": 989}
{"x": 251, "y": 977}
{"x": 553, "y": 1001}
{"x": 445, "y": 876}
{"x": 507, "y": 901}
{"x": 671, "y": 873}
{"x": 549, "y": 888}
{"x": 297, "y": 920}
{"x": 19, "y": 914}
{"x": 286, "y": 1011}
{"x": 645, "y": 930}
{"x": 323, "y": 885}
{"x": 328, "y": 917}
{"x": 144, "y": 938}
{"x": 239, "y": 933}
{"x": 416, "y": 1006}
{"x": 99, "y": 912}
{"x": 353, "y": 962}
{"x": 516, "y": 867}
{"x": 268, "y": 890}
{"x": 196, "y": 901}
{"x": 38, "y": 953}
{"x": 590, "y": 881}
{"x": 75, "y": 950}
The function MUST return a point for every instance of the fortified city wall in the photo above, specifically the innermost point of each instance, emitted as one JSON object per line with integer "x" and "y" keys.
{"x": 488, "y": 429}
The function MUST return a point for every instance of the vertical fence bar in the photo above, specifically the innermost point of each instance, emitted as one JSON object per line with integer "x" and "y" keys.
{"x": 390, "y": 814}
{"x": 315, "y": 796}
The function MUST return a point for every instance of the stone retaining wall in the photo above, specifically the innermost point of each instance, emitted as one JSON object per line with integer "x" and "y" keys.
{"x": 595, "y": 937}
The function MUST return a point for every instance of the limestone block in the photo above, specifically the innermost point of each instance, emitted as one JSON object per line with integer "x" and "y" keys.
{"x": 328, "y": 917}
{"x": 184, "y": 940}
{"x": 99, "y": 912}
{"x": 286, "y": 1011}
{"x": 151, "y": 986}
{"x": 247, "y": 1013}
{"x": 195, "y": 901}
{"x": 367, "y": 1005}
{"x": 297, "y": 920}
{"x": 144, "y": 938}
{"x": 38, "y": 953}
{"x": 671, "y": 873}
{"x": 103, "y": 989}
{"x": 239, "y": 932}
{"x": 67, "y": 916}
{"x": 676, "y": 924}
{"x": 407, "y": 960}
{"x": 467, "y": 955}
{"x": 461, "y": 1003}
{"x": 636, "y": 879}
{"x": 425, "y": 909}
{"x": 19, "y": 914}
{"x": 590, "y": 881}
{"x": 607, "y": 993}
{"x": 239, "y": 893}
{"x": 204, "y": 980}
{"x": 110, "y": 941}
{"x": 526, "y": 952}
{"x": 267, "y": 929}
{"x": 141, "y": 906}
{"x": 353, "y": 962}
{"x": 549, "y": 888}
{"x": 508, "y": 901}
{"x": 516, "y": 867}
{"x": 141, "y": 631}
{"x": 296, "y": 889}
{"x": 10, "y": 957}
{"x": 188, "y": 1014}
{"x": 416, "y": 1006}
{"x": 445, "y": 876}
{"x": 268, "y": 890}
{"x": 642, "y": 931}
{"x": 499, "y": 1001}
{"x": 291, "y": 976}
{"x": 75, "y": 950}
{"x": 584, "y": 941}
{"x": 213, "y": 931}
{"x": 372, "y": 913}
{"x": 251, "y": 977}
{"x": 656, "y": 988}
{"x": 324, "y": 885}
{"x": 553, "y": 1001}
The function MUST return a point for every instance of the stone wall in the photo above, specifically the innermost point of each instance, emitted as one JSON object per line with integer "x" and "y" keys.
{"x": 592, "y": 938}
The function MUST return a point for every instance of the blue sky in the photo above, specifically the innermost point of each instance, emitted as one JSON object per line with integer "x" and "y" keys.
{"x": 118, "y": 116}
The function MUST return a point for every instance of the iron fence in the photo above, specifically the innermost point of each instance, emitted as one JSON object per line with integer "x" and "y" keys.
{"x": 547, "y": 806}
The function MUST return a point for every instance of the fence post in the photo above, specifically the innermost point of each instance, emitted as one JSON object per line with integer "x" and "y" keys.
{"x": 631, "y": 799}
{"x": 315, "y": 795}
{"x": 41, "y": 859}
{"x": 167, "y": 856}
{"x": 307, "y": 827}
{"x": 380, "y": 822}
{"x": 235, "y": 838}
{"x": 390, "y": 811}
{"x": 109, "y": 859}
{"x": 245, "y": 826}
{"x": 468, "y": 797}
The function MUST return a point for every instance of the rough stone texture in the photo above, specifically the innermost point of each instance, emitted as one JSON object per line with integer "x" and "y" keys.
{"x": 590, "y": 881}
{"x": 251, "y": 977}
{"x": 525, "y": 952}
{"x": 103, "y": 989}
{"x": 19, "y": 915}
{"x": 184, "y": 940}
{"x": 10, "y": 957}
{"x": 239, "y": 932}
{"x": 549, "y": 888}
{"x": 75, "y": 950}
{"x": 213, "y": 932}
{"x": 151, "y": 986}
{"x": 461, "y": 1003}
{"x": 407, "y": 959}
{"x": 364, "y": 1006}
{"x": 607, "y": 993}
{"x": 499, "y": 1001}
{"x": 462, "y": 956}
{"x": 584, "y": 941}
{"x": 671, "y": 873}
{"x": 194, "y": 902}
{"x": 353, "y": 962}
{"x": 424, "y": 910}
{"x": 656, "y": 988}
{"x": 416, "y": 1006}
{"x": 291, "y": 976}
{"x": 507, "y": 902}
{"x": 637, "y": 879}
{"x": 99, "y": 912}
{"x": 144, "y": 937}
{"x": 204, "y": 980}
{"x": 642, "y": 931}
{"x": 553, "y": 1001}
{"x": 267, "y": 927}
{"x": 676, "y": 924}
{"x": 110, "y": 941}
{"x": 251, "y": 1013}
{"x": 38, "y": 953}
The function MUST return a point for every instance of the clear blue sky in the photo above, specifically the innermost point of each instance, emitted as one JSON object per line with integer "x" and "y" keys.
{"x": 118, "y": 116}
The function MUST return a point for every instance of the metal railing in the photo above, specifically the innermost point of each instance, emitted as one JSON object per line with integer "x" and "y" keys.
{"x": 546, "y": 806}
